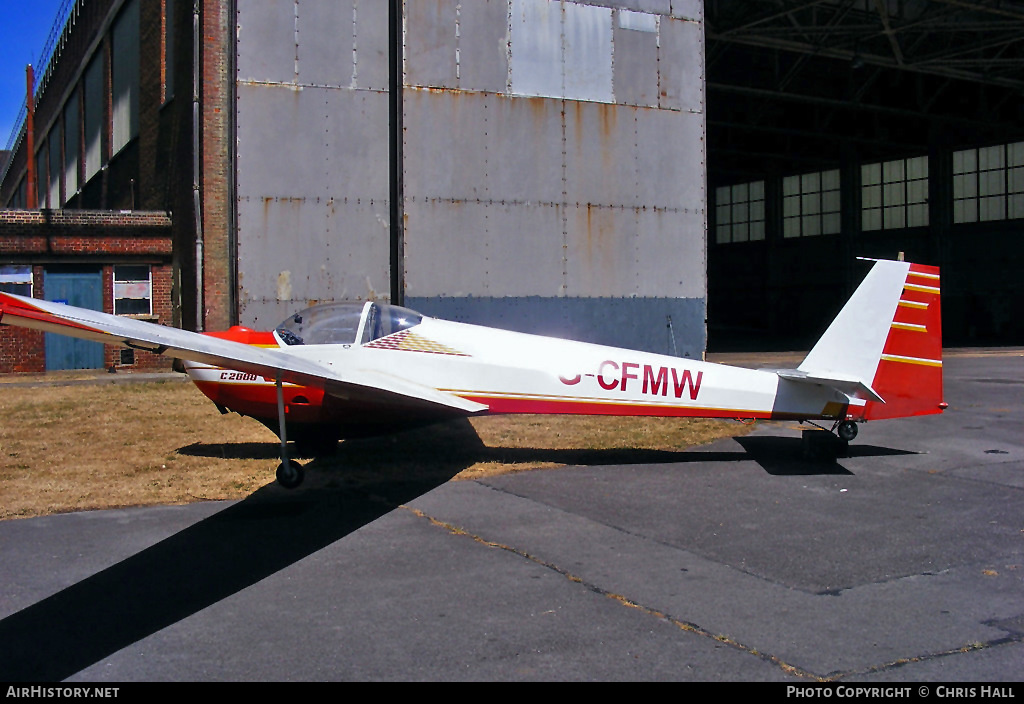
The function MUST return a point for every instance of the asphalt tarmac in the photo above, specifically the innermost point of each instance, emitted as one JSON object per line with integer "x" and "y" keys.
{"x": 738, "y": 561}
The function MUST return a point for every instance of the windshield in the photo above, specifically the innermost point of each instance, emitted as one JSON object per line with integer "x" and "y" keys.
{"x": 345, "y": 323}
{"x": 383, "y": 319}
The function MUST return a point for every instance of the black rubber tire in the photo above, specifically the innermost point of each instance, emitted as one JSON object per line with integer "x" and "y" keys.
{"x": 291, "y": 475}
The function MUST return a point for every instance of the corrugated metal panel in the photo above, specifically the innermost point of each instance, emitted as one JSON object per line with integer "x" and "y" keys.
{"x": 600, "y": 155}
{"x": 281, "y": 141}
{"x": 446, "y": 144}
{"x": 333, "y": 137}
{"x": 671, "y": 159}
{"x": 312, "y": 156}
{"x": 587, "y": 57}
{"x": 483, "y": 249}
{"x": 371, "y": 44}
{"x": 341, "y": 43}
{"x": 465, "y": 145}
{"x": 266, "y": 42}
{"x": 688, "y": 9}
{"x": 571, "y": 214}
{"x": 685, "y": 9}
{"x": 636, "y": 58}
{"x": 483, "y": 46}
{"x": 326, "y": 42}
{"x": 535, "y": 48}
{"x": 601, "y": 251}
{"x": 639, "y": 323}
{"x": 333, "y": 250}
{"x": 671, "y": 259}
{"x": 560, "y": 50}
{"x": 431, "y": 34}
{"x": 682, "y": 65}
{"x": 524, "y": 149}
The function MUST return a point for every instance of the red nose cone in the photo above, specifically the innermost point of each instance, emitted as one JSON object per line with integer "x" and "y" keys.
{"x": 943, "y": 405}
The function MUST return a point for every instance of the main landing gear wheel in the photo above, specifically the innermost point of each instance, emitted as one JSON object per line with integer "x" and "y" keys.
{"x": 290, "y": 474}
{"x": 847, "y": 430}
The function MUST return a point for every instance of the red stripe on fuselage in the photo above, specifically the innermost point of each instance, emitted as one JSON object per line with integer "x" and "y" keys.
{"x": 500, "y": 405}
{"x": 258, "y": 397}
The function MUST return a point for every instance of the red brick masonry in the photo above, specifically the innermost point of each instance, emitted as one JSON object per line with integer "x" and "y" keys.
{"x": 100, "y": 238}
{"x": 77, "y": 232}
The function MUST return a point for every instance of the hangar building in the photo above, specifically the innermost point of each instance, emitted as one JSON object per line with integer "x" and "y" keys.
{"x": 543, "y": 168}
{"x": 660, "y": 174}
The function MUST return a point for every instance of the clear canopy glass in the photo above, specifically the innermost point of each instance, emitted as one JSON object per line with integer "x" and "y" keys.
{"x": 345, "y": 323}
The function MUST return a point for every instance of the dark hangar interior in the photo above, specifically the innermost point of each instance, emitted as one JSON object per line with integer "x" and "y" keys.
{"x": 840, "y": 129}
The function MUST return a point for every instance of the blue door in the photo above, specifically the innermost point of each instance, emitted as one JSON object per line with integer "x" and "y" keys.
{"x": 76, "y": 287}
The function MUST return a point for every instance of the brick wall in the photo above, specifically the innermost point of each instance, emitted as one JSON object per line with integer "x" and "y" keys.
{"x": 57, "y": 233}
{"x": 218, "y": 24}
{"x": 61, "y": 237}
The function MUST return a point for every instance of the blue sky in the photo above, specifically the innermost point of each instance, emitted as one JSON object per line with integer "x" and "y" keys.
{"x": 24, "y": 27}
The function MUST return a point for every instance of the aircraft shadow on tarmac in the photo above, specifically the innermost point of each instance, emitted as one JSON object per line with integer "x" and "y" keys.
{"x": 784, "y": 456}
{"x": 777, "y": 455}
{"x": 274, "y": 528}
{"x": 200, "y": 566}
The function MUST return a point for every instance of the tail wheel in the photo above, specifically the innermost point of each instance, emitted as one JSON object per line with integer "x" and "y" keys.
{"x": 847, "y": 430}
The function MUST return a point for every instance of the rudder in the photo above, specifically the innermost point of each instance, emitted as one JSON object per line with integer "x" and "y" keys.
{"x": 909, "y": 373}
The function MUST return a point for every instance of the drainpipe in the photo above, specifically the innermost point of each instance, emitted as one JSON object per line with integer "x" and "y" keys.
{"x": 196, "y": 162}
{"x": 31, "y": 199}
{"x": 396, "y": 164}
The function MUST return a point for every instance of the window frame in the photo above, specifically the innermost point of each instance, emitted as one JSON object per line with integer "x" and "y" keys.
{"x": 740, "y": 213}
{"x": 17, "y": 278}
{"x": 988, "y": 183}
{"x": 894, "y": 194}
{"x": 124, "y": 285}
{"x": 812, "y": 204}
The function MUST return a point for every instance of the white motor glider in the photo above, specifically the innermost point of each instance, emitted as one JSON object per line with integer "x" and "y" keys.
{"x": 345, "y": 370}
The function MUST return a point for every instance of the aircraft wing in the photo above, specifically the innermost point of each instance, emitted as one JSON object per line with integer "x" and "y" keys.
{"x": 368, "y": 385}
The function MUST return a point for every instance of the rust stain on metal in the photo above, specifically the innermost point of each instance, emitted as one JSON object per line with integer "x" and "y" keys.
{"x": 608, "y": 115}
{"x": 284, "y": 286}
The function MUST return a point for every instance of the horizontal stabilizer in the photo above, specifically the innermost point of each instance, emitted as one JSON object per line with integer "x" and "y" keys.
{"x": 854, "y": 388}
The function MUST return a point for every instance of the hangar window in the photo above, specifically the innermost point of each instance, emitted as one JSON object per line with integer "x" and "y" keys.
{"x": 810, "y": 204}
{"x": 53, "y": 168}
{"x": 894, "y": 194}
{"x": 72, "y": 159}
{"x": 92, "y": 150}
{"x": 133, "y": 290}
{"x": 739, "y": 213}
{"x": 16, "y": 279}
{"x": 42, "y": 178}
{"x": 988, "y": 183}
{"x": 124, "y": 77}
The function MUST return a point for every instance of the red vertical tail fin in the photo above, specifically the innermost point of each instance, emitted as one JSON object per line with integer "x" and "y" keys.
{"x": 909, "y": 373}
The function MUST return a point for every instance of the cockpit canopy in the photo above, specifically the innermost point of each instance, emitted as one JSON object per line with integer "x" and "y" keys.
{"x": 345, "y": 323}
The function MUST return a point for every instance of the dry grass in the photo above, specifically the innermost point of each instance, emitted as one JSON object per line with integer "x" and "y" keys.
{"x": 68, "y": 448}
